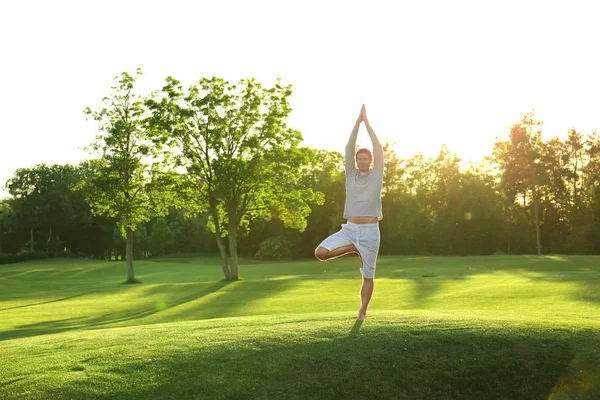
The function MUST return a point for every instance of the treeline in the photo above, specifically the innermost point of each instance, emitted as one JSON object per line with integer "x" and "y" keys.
{"x": 430, "y": 206}
{"x": 214, "y": 168}
{"x": 48, "y": 212}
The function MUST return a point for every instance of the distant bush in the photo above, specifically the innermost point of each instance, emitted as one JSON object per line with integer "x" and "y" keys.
{"x": 23, "y": 256}
{"x": 274, "y": 248}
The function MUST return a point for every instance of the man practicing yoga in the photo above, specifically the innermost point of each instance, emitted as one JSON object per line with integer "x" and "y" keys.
{"x": 362, "y": 210}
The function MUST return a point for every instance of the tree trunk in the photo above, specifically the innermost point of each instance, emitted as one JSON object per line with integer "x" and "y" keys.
{"x": 508, "y": 212}
{"x": 233, "y": 253}
{"x": 49, "y": 239}
{"x": 129, "y": 255}
{"x": 223, "y": 254}
{"x": 536, "y": 211}
{"x": 233, "y": 227}
{"x": 220, "y": 244}
{"x": 31, "y": 242}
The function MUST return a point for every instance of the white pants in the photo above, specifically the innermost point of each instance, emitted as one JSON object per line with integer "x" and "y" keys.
{"x": 366, "y": 239}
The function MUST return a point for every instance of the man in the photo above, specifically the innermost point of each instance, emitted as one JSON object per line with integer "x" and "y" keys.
{"x": 362, "y": 210}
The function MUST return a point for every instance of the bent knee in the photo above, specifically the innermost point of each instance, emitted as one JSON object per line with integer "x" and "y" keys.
{"x": 321, "y": 253}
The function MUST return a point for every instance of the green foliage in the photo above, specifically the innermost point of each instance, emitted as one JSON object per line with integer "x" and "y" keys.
{"x": 242, "y": 160}
{"x": 6, "y": 217}
{"x": 325, "y": 175}
{"x": 162, "y": 238}
{"x": 523, "y": 167}
{"x": 127, "y": 182}
{"x": 275, "y": 248}
{"x": 141, "y": 242}
{"x": 190, "y": 233}
{"x": 229, "y": 165}
{"x": 47, "y": 204}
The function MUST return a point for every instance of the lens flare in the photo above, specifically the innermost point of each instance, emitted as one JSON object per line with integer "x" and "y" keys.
{"x": 161, "y": 305}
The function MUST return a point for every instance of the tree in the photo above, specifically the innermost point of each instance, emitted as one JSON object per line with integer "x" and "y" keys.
{"x": 326, "y": 176}
{"x": 6, "y": 213}
{"x": 523, "y": 172}
{"x": 122, "y": 185}
{"x": 585, "y": 221}
{"x": 575, "y": 160}
{"x": 46, "y": 203}
{"x": 190, "y": 233}
{"x": 560, "y": 190}
{"x": 243, "y": 162}
{"x": 480, "y": 224}
{"x": 444, "y": 199}
{"x": 405, "y": 225}
{"x": 161, "y": 238}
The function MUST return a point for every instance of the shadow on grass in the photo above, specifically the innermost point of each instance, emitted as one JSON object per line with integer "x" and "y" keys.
{"x": 217, "y": 300}
{"x": 48, "y": 327}
{"x": 226, "y": 300}
{"x": 356, "y": 327}
{"x": 426, "y": 272}
{"x": 49, "y": 301}
{"x": 232, "y": 301}
{"x": 429, "y": 273}
{"x": 381, "y": 363}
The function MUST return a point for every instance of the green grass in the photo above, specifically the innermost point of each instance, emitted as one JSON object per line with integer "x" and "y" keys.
{"x": 505, "y": 327}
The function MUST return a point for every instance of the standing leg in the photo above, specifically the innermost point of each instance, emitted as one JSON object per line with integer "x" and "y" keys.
{"x": 366, "y": 292}
{"x": 370, "y": 238}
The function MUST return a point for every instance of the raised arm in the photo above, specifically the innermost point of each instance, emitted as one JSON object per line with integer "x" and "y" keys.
{"x": 377, "y": 147}
{"x": 349, "y": 162}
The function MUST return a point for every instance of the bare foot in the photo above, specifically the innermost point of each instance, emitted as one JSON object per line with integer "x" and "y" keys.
{"x": 361, "y": 316}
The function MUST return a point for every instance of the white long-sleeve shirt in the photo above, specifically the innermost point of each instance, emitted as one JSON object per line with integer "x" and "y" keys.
{"x": 363, "y": 189}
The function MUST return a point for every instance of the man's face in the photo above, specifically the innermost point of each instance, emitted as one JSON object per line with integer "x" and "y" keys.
{"x": 363, "y": 162}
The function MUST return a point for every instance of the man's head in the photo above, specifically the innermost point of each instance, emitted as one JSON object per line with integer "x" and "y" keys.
{"x": 363, "y": 159}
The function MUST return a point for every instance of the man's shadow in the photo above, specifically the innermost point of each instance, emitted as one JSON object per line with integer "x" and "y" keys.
{"x": 356, "y": 327}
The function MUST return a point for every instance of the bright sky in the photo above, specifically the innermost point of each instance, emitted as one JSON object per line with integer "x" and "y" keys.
{"x": 430, "y": 72}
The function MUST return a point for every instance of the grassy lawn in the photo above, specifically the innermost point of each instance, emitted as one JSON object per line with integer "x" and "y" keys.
{"x": 505, "y": 327}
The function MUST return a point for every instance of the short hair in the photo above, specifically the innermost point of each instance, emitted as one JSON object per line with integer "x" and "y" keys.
{"x": 363, "y": 150}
